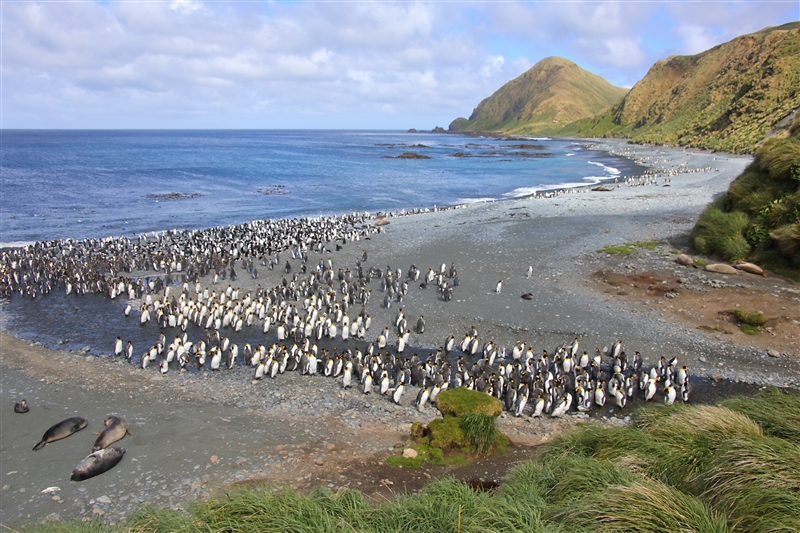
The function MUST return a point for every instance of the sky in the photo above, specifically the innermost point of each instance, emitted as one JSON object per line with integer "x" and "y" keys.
{"x": 191, "y": 64}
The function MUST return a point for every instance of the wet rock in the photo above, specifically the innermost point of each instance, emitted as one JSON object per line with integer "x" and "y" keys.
{"x": 773, "y": 353}
{"x": 214, "y": 459}
{"x": 104, "y": 499}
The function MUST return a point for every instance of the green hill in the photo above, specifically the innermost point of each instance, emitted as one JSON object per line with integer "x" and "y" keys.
{"x": 554, "y": 91}
{"x": 726, "y": 98}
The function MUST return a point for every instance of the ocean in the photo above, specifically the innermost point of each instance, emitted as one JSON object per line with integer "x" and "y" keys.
{"x": 98, "y": 183}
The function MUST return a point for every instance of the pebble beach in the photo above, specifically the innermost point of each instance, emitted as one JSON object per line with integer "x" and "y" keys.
{"x": 196, "y": 433}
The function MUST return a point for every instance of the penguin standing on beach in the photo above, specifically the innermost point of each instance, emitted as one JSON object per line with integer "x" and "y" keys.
{"x": 499, "y": 288}
{"x": 421, "y": 325}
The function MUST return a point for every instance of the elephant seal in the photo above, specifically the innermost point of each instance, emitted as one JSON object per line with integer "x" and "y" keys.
{"x": 96, "y": 463}
{"x": 62, "y": 430}
{"x": 116, "y": 428}
{"x": 21, "y": 407}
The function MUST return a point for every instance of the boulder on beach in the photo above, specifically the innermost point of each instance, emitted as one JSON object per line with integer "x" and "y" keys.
{"x": 685, "y": 260}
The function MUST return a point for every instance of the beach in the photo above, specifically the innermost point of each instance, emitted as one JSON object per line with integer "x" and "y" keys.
{"x": 197, "y": 433}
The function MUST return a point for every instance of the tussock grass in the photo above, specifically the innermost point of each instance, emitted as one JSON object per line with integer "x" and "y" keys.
{"x": 721, "y": 234}
{"x": 691, "y": 435}
{"x": 479, "y": 430}
{"x": 436, "y": 508}
{"x": 756, "y": 482}
{"x": 777, "y": 411}
{"x": 644, "y": 506}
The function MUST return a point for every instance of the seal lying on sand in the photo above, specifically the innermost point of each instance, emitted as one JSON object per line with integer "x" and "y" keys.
{"x": 62, "y": 430}
{"x": 96, "y": 463}
{"x": 116, "y": 428}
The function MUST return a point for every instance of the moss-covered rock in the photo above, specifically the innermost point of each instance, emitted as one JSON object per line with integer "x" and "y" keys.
{"x": 460, "y": 401}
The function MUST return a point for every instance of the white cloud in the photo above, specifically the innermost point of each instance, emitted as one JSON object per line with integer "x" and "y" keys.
{"x": 695, "y": 38}
{"x": 186, "y": 63}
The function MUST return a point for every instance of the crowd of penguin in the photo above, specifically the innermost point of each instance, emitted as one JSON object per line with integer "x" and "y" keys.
{"x": 315, "y": 321}
{"x": 311, "y": 311}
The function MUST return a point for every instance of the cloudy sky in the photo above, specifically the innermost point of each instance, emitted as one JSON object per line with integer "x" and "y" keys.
{"x": 325, "y": 64}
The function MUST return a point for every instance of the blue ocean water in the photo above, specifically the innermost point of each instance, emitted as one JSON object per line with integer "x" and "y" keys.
{"x": 79, "y": 184}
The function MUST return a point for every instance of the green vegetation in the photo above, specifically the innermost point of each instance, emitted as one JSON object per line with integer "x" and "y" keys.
{"x": 727, "y": 98}
{"x": 555, "y": 91}
{"x": 627, "y": 249}
{"x": 460, "y": 401}
{"x": 731, "y": 468}
{"x": 759, "y": 217}
{"x": 753, "y": 320}
{"x": 479, "y": 430}
{"x": 467, "y": 429}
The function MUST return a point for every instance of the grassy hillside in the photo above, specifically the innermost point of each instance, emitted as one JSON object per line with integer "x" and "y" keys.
{"x": 554, "y": 91}
{"x": 759, "y": 217}
{"x": 731, "y": 468}
{"x": 726, "y": 98}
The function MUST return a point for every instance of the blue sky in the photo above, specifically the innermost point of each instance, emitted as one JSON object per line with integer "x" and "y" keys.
{"x": 326, "y": 64}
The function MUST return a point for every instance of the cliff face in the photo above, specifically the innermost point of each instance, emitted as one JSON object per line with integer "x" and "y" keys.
{"x": 726, "y": 98}
{"x": 555, "y": 91}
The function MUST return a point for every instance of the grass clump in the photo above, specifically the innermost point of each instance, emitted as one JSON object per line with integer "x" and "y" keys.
{"x": 479, "y": 430}
{"x": 777, "y": 411}
{"x": 643, "y": 506}
{"x": 460, "y": 401}
{"x": 756, "y": 482}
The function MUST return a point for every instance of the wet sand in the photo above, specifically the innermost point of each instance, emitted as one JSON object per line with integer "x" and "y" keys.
{"x": 196, "y": 432}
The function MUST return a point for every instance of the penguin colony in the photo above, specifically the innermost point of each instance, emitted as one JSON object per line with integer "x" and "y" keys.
{"x": 313, "y": 305}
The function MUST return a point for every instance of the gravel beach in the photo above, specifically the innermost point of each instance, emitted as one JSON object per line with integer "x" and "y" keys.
{"x": 196, "y": 433}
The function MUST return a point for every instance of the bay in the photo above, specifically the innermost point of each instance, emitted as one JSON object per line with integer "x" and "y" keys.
{"x": 98, "y": 183}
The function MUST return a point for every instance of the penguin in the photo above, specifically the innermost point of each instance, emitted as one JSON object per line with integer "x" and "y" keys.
{"x": 529, "y": 274}
{"x": 347, "y": 378}
{"x": 21, "y": 407}
{"x": 499, "y": 288}
{"x": 669, "y": 395}
{"x": 449, "y": 343}
{"x": 538, "y": 406}
{"x": 118, "y": 346}
{"x": 600, "y": 394}
{"x": 367, "y": 383}
{"x": 652, "y": 386}
{"x": 421, "y": 325}
{"x": 129, "y": 350}
{"x": 398, "y": 393}
{"x": 422, "y": 398}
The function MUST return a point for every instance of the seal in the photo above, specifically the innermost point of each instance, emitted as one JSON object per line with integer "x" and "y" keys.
{"x": 21, "y": 407}
{"x": 116, "y": 428}
{"x": 62, "y": 430}
{"x": 96, "y": 463}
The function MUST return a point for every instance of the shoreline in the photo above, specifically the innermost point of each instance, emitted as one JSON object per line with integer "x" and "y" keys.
{"x": 282, "y": 427}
